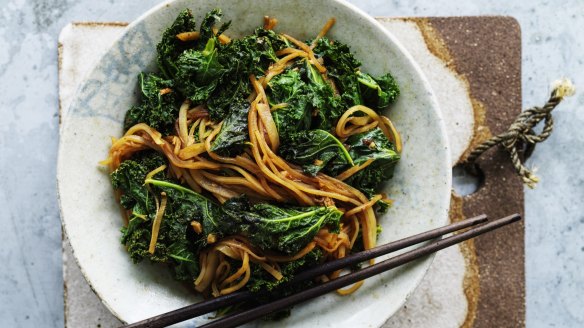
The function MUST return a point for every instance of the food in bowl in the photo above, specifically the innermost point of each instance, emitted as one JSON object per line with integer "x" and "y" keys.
{"x": 250, "y": 159}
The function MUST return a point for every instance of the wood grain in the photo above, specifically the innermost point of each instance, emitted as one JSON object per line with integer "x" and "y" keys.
{"x": 487, "y": 51}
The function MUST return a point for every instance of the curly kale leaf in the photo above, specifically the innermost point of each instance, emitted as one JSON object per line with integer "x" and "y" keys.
{"x": 157, "y": 108}
{"x": 348, "y": 85}
{"x": 283, "y": 229}
{"x": 285, "y": 86}
{"x": 136, "y": 238}
{"x": 314, "y": 150}
{"x": 388, "y": 85}
{"x": 378, "y": 93}
{"x": 374, "y": 145}
{"x": 234, "y": 131}
{"x": 327, "y": 107}
{"x": 211, "y": 18}
{"x": 176, "y": 242}
{"x": 251, "y": 54}
{"x": 129, "y": 178}
{"x": 183, "y": 259}
{"x": 230, "y": 91}
{"x": 265, "y": 45}
{"x": 356, "y": 88}
{"x": 336, "y": 55}
{"x": 342, "y": 67}
{"x": 170, "y": 47}
{"x": 186, "y": 206}
{"x": 199, "y": 72}
{"x": 289, "y": 88}
{"x": 242, "y": 57}
{"x": 319, "y": 151}
{"x": 219, "y": 74}
{"x": 310, "y": 100}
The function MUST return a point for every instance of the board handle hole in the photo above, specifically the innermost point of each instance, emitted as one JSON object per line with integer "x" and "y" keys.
{"x": 466, "y": 182}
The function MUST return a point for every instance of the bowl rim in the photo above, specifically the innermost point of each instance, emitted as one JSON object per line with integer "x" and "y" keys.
{"x": 369, "y": 18}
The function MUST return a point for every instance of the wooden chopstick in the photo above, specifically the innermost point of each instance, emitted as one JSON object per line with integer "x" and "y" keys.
{"x": 200, "y": 308}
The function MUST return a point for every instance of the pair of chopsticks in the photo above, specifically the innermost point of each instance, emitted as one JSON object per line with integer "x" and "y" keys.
{"x": 242, "y": 317}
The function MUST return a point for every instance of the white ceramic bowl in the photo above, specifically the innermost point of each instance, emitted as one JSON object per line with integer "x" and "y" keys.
{"x": 420, "y": 188}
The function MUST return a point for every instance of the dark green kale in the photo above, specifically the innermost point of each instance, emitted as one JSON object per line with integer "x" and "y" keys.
{"x": 234, "y": 131}
{"x": 170, "y": 47}
{"x": 283, "y": 229}
{"x": 242, "y": 57}
{"x": 251, "y": 54}
{"x": 356, "y": 88}
{"x": 176, "y": 242}
{"x": 327, "y": 107}
{"x": 310, "y": 101}
{"x": 378, "y": 93}
{"x": 229, "y": 92}
{"x": 388, "y": 85}
{"x": 314, "y": 150}
{"x": 129, "y": 178}
{"x": 372, "y": 144}
{"x": 157, "y": 109}
{"x": 286, "y": 86}
{"x": 289, "y": 88}
{"x": 188, "y": 206}
{"x": 211, "y": 18}
{"x": 185, "y": 262}
{"x": 342, "y": 67}
{"x": 382, "y": 206}
{"x": 266, "y": 44}
{"x": 317, "y": 150}
{"x": 336, "y": 55}
{"x": 199, "y": 72}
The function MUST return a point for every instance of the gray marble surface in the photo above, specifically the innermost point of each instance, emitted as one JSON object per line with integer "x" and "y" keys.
{"x": 31, "y": 283}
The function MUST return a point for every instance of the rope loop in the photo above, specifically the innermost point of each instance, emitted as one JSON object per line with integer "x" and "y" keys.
{"x": 521, "y": 136}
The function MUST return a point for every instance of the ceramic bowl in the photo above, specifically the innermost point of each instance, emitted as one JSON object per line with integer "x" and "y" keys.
{"x": 91, "y": 217}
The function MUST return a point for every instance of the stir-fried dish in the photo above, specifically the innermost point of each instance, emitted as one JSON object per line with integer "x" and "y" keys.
{"x": 247, "y": 160}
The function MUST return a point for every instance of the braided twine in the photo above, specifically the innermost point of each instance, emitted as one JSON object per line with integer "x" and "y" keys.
{"x": 521, "y": 136}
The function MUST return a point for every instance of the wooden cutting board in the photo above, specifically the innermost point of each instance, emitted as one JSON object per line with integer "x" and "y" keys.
{"x": 474, "y": 66}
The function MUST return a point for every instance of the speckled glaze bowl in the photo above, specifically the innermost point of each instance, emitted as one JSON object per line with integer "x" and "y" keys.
{"x": 420, "y": 188}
